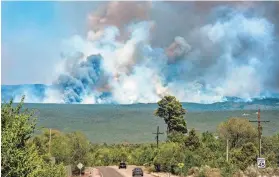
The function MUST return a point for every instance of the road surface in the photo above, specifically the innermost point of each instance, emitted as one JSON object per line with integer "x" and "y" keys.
{"x": 113, "y": 171}
{"x": 109, "y": 172}
{"x": 128, "y": 172}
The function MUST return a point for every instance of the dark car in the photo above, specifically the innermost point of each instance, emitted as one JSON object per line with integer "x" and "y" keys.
{"x": 137, "y": 172}
{"x": 122, "y": 165}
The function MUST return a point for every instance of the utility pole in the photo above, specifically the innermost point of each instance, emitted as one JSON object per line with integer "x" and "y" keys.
{"x": 157, "y": 135}
{"x": 227, "y": 158}
{"x": 259, "y": 130}
{"x": 49, "y": 140}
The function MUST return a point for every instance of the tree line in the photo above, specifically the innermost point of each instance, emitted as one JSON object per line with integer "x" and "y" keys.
{"x": 26, "y": 154}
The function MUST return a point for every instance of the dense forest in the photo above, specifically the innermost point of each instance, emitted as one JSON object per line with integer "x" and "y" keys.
{"x": 27, "y": 154}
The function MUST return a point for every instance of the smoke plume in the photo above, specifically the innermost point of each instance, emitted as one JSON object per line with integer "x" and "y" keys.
{"x": 137, "y": 52}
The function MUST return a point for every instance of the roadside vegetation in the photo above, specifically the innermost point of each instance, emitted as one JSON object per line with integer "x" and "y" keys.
{"x": 19, "y": 155}
{"x": 201, "y": 154}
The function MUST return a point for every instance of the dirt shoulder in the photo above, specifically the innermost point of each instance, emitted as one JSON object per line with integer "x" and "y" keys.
{"x": 163, "y": 175}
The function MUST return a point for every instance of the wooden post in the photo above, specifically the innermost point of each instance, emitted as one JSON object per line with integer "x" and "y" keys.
{"x": 227, "y": 150}
{"x": 49, "y": 140}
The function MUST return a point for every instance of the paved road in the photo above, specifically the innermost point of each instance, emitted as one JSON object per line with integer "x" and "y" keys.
{"x": 109, "y": 172}
{"x": 128, "y": 172}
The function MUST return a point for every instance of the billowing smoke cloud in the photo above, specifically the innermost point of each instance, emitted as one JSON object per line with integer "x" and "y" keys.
{"x": 118, "y": 14}
{"x": 178, "y": 49}
{"x": 138, "y": 52}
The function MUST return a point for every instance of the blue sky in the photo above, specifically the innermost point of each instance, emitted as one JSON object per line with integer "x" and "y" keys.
{"x": 31, "y": 36}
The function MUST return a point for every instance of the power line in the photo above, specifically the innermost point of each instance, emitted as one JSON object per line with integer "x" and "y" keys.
{"x": 259, "y": 130}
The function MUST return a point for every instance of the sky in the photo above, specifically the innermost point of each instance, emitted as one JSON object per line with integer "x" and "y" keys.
{"x": 131, "y": 52}
{"x": 32, "y": 33}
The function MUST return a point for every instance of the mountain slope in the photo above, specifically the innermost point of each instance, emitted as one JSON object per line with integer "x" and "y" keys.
{"x": 232, "y": 103}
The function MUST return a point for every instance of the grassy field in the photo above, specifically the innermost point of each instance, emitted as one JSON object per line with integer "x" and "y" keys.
{"x": 133, "y": 123}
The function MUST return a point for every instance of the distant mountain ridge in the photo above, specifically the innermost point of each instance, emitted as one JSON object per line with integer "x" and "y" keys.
{"x": 11, "y": 91}
{"x": 264, "y": 104}
{"x": 232, "y": 103}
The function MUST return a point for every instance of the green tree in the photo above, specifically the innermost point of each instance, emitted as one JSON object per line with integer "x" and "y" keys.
{"x": 171, "y": 110}
{"x": 42, "y": 140}
{"x": 239, "y": 131}
{"x": 67, "y": 148}
{"x": 103, "y": 156}
{"x": 169, "y": 155}
{"x": 270, "y": 150}
{"x": 192, "y": 141}
{"x": 176, "y": 137}
{"x": 79, "y": 149}
{"x": 19, "y": 156}
{"x": 192, "y": 159}
{"x": 61, "y": 148}
{"x": 119, "y": 154}
{"x": 211, "y": 150}
{"x": 53, "y": 171}
{"x": 208, "y": 140}
{"x": 145, "y": 155}
{"x": 245, "y": 156}
{"x": 18, "y": 159}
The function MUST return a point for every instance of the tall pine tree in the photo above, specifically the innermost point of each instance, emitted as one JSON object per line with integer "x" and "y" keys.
{"x": 171, "y": 110}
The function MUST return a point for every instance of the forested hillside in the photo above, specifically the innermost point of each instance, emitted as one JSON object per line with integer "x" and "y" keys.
{"x": 201, "y": 153}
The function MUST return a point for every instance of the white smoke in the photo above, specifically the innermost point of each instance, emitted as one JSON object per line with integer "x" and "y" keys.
{"x": 218, "y": 59}
{"x": 29, "y": 97}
